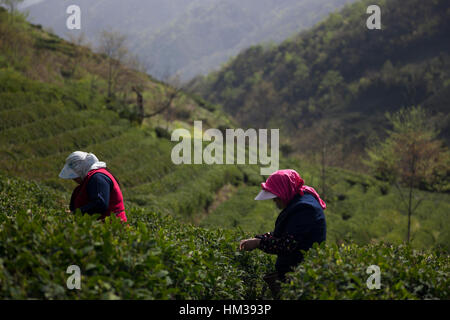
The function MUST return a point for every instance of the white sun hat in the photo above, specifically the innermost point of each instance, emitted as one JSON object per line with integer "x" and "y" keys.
{"x": 68, "y": 173}
{"x": 265, "y": 195}
{"x": 78, "y": 164}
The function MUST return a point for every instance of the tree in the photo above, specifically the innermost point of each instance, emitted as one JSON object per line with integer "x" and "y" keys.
{"x": 133, "y": 78}
{"x": 74, "y": 61}
{"x": 409, "y": 157}
{"x": 171, "y": 90}
{"x": 112, "y": 44}
{"x": 325, "y": 149}
{"x": 11, "y": 5}
{"x": 258, "y": 108}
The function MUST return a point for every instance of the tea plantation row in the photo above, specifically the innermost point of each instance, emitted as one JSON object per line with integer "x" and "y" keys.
{"x": 156, "y": 257}
{"x": 36, "y": 137}
{"x": 42, "y": 122}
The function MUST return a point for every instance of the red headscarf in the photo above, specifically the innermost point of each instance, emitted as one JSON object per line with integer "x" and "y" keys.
{"x": 285, "y": 184}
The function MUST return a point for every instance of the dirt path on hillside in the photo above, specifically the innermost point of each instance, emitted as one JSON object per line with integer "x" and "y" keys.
{"x": 222, "y": 195}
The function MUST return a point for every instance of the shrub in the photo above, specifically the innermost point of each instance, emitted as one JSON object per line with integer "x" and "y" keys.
{"x": 162, "y": 133}
{"x": 154, "y": 257}
{"x": 339, "y": 272}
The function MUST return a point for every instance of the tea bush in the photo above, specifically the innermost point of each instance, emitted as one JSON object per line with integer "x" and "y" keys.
{"x": 154, "y": 257}
{"x": 339, "y": 272}
{"x": 44, "y": 117}
{"x": 157, "y": 257}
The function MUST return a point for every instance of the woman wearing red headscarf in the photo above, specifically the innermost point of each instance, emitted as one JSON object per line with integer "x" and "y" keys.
{"x": 300, "y": 224}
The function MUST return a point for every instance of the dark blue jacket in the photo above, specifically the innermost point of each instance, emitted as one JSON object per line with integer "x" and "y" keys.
{"x": 298, "y": 227}
{"x": 98, "y": 188}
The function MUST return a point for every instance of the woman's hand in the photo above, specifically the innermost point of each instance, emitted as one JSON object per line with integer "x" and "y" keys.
{"x": 249, "y": 244}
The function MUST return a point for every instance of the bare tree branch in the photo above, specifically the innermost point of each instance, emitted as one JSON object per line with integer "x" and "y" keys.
{"x": 112, "y": 44}
{"x": 166, "y": 103}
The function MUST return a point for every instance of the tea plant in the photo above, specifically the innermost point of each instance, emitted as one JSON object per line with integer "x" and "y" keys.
{"x": 339, "y": 272}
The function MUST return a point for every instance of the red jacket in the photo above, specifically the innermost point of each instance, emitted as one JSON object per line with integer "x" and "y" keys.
{"x": 80, "y": 196}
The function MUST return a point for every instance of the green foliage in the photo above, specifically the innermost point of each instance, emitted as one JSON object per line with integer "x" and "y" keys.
{"x": 411, "y": 154}
{"x": 43, "y": 126}
{"x": 157, "y": 257}
{"x": 240, "y": 210}
{"x": 162, "y": 133}
{"x": 339, "y": 272}
{"x": 359, "y": 208}
{"x": 341, "y": 71}
{"x": 154, "y": 257}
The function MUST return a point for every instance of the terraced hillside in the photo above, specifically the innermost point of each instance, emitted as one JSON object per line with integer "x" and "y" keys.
{"x": 46, "y": 117}
{"x": 37, "y": 137}
{"x": 335, "y": 81}
{"x": 47, "y": 113}
{"x": 49, "y": 109}
{"x": 156, "y": 257}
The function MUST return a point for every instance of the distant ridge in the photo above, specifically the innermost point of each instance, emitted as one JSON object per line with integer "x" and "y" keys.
{"x": 187, "y": 37}
{"x": 335, "y": 81}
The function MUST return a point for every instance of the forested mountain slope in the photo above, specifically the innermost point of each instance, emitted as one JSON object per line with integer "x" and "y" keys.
{"x": 54, "y": 100}
{"x": 333, "y": 84}
{"x": 187, "y": 37}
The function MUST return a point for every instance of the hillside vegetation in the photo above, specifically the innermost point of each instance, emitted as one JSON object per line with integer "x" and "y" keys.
{"x": 44, "y": 120}
{"x": 185, "y": 221}
{"x": 187, "y": 37}
{"x": 156, "y": 257}
{"x": 46, "y": 115}
{"x": 153, "y": 258}
{"x": 331, "y": 85}
{"x": 38, "y": 137}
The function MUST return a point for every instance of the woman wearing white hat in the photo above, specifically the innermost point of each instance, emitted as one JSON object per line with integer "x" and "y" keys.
{"x": 98, "y": 190}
